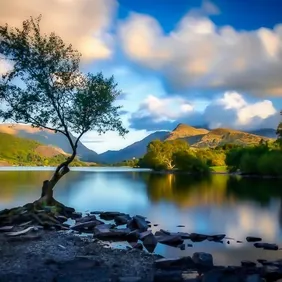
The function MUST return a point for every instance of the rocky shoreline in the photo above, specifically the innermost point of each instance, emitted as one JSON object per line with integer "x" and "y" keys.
{"x": 43, "y": 245}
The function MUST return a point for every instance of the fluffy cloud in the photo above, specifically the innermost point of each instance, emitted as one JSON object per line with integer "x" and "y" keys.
{"x": 230, "y": 110}
{"x": 82, "y": 23}
{"x": 199, "y": 55}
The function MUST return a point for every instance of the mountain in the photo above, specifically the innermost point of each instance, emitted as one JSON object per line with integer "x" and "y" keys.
{"x": 221, "y": 136}
{"x": 49, "y": 137}
{"x": 196, "y": 137}
{"x": 266, "y": 132}
{"x": 22, "y": 151}
{"x": 182, "y": 131}
{"x": 135, "y": 150}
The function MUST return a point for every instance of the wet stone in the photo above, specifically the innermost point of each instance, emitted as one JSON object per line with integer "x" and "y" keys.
{"x": 266, "y": 246}
{"x": 203, "y": 259}
{"x": 253, "y": 239}
{"x": 171, "y": 240}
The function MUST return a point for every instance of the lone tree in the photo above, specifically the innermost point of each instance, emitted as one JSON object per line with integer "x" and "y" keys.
{"x": 46, "y": 89}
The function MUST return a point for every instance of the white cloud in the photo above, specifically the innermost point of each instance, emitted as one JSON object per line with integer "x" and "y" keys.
{"x": 198, "y": 54}
{"x": 164, "y": 108}
{"x": 82, "y": 23}
{"x": 230, "y": 110}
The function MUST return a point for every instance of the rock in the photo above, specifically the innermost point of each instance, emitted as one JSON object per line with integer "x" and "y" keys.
{"x": 182, "y": 247}
{"x": 195, "y": 237}
{"x": 149, "y": 241}
{"x": 168, "y": 276}
{"x": 87, "y": 226}
{"x": 138, "y": 246}
{"x": 203, "y": 259}
{"x": 110, "y": 215}
{"x": 138, "y": 222}
{"x": 272, "y": 272}
{"x": 142, "y": 235}
{"x": 86, "y": 219}
{"x": 6, "y": 228}
{"x": 112, "y": 234}
{"x": 216, "y": 238}
{"x": 183, "y": 263}
{"x": 61, "y": 218}
{"x": 76, "y": 215}
{"x": 240, "y": 242}
{"x": 132, "y": 236}
{"x": 189, "y": 245}
{"x": 122, "y": 219}
{"x": 246, "y": 263}
{"x": 171, "y": 240}
{"x": 129, "y": 279}
{"x": 253, "y": 239}
{"x": 183, "y": 235}
{"x": 156, "y": 225}
{"x": 266, "y": 246}
{"x": 180, "y": 225}
{"x": 262, "y": 261}
{"x": 96, "y": 212}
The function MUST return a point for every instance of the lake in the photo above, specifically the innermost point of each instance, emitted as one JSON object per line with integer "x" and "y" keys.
{"x": 217, "y": 204}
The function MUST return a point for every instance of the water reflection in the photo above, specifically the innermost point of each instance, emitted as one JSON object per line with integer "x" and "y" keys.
{"x": 217, "y": 204}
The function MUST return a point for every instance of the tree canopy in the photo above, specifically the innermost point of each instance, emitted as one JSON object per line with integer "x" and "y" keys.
{"x": 46, "y": 88}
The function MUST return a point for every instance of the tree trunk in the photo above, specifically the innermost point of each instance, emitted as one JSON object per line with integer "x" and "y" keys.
{"x": 48, "y": 185}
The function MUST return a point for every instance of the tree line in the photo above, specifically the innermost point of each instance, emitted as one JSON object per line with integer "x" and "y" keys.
{"x": 262, "y": 159}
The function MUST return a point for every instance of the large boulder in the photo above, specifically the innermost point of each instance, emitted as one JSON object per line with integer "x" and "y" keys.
{"x": 149, "y": 240}
{"x": 138, "y": 222}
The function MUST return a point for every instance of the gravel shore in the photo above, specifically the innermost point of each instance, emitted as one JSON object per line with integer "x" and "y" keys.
{"x": 58, "y": 256}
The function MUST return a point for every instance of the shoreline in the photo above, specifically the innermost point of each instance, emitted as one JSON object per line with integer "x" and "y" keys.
{"x": 34, "y": 251}
{"x": 163, "y": 172}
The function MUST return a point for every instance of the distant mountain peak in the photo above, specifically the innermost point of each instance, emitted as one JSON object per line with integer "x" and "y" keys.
{"x": 183, "y": 130}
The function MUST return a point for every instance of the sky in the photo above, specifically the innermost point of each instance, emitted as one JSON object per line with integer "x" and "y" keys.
{"x": 200, "y": 62}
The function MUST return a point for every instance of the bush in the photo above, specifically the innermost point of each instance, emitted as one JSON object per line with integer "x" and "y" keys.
{"x": 187, "y": 161}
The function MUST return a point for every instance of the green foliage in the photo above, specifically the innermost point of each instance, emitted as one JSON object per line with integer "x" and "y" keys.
{"x": 172, "y": 154}
{"x": 211, "y": 157}
{"x": 47, "y": 90}
{"x": 259, "y": 160}
{"x": 187, "y": 161}
{"x": 21, "y": 151}
{"x": 159, "y": 154}
{"x": 130, "y": 163}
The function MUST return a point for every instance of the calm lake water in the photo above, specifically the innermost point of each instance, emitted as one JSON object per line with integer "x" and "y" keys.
{"x": 217, "y": 204}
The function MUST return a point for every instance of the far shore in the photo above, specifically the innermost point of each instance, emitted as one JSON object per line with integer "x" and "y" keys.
{"x": 4, "y": 166}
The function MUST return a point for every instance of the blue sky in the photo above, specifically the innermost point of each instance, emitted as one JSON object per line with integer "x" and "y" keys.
{"x": 214, "y": 63}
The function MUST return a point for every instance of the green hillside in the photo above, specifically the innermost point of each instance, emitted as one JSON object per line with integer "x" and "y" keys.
{"x": 20, "y": 151}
